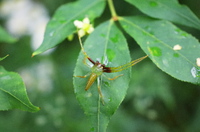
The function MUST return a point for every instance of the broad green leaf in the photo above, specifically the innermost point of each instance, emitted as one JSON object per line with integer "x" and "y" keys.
{"x": 61, "y": 25}
{"x": 13, "y": 92}
{"x": 158, "y": 39}
{"x": 169, "y": 10}
{"x": 5, "y": 37}
{"x": 106, "y": 44}
{"x": 2, "y": 58}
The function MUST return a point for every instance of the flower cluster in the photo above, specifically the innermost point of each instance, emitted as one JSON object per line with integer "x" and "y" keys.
{"x": 84, "y": 27}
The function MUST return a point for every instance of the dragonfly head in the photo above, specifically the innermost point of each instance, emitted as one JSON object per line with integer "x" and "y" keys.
{"x": 97, "y": 68}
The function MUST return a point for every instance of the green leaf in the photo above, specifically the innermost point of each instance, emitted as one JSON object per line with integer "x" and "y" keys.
{"x": 5, "y": 37}
{"x": 169, "y": 10}
{"x": 13, "y": 93}
{"x": 61, "y": 25}
{"x": 2, "y": 58}
{"x": 158, "y": 38}
{"x": 106, "y": 43}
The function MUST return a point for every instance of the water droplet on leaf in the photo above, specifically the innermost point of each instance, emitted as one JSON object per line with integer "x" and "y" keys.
{"x": 51, "y": 34}
{"x": 109, "y": 99}
{"x": 195, "y": 72}
{"x": 149, "y": 30}
{"x": 88, "y": 94}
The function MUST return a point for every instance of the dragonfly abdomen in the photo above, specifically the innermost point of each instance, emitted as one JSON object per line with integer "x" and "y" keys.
{"x": 91, "y": 80}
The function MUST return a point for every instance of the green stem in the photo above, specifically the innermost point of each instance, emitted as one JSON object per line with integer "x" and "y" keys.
{"x": 112, "y": 9}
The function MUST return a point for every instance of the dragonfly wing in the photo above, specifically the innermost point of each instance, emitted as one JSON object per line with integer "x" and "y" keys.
{"x": 123, "y": 67}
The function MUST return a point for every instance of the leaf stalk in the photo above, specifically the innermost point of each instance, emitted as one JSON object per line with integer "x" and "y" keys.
{"x": 112, "y": 10}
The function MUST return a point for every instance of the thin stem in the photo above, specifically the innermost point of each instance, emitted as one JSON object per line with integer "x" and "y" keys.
{"x": 112, "y": 9}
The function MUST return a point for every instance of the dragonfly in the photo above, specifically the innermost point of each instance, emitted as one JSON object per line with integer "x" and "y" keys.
{"x": 98, "y": 69}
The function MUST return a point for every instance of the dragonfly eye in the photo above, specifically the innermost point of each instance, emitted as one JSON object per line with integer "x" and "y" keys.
{"x": 103, "y": 65}
{"x": 99, "y": 65}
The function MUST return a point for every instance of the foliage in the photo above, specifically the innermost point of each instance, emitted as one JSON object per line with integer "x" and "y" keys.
{"x": 150, "y": 36}
{"x": 148, "y": 32}
{"x": 61, "y": 24}
{"x": 12, "y": 90}
{"x": 5, "y": 37}
{"x": 149, "y": 99}
{"x": 112, "y": 45}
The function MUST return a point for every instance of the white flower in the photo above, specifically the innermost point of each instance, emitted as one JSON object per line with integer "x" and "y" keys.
{"x": 84, "y": 27}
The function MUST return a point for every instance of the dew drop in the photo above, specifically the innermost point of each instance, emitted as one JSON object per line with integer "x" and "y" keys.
{"x": 88, "y": 94}
{"x": 51, "y": 34}
{"x": 195, "y": 72}
{"x": 181, "y": 33}
{"x": 149, "y": 30}
{"x": 165, "y": 62}
{"x": 109, "y": 99}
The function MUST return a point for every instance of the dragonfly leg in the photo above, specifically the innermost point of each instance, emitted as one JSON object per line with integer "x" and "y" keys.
{"x": 85, "y": 63}
{"x": 99, "y": 90}
{"x": 82, "y": 76}
{"x": 114, "y": 77}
